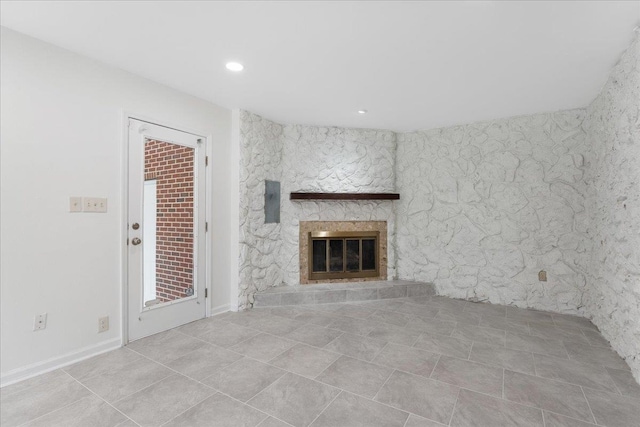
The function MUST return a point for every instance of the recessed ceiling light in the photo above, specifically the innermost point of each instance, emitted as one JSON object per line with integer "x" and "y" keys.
{"x": 234, "y": 66}
{"x": 362, "y": 111}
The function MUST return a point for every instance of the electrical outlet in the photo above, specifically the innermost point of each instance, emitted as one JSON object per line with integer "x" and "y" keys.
{"x": 40, "y": 322}
{"x": 542, "y": 276}
{"x": 103, "y": 324}
{"x": 75, "y": 204}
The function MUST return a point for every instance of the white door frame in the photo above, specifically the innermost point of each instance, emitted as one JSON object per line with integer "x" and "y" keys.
{"x": 124, "y": 213}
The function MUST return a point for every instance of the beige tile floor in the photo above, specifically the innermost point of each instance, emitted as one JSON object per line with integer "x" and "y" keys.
{"x": 412, "y": 362}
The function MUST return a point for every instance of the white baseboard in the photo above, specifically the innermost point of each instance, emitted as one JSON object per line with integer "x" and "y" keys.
{"x": 54, "y": 363}
{"x": 220, "y": 309}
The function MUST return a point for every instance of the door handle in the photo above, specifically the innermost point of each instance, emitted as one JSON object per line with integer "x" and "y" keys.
{"x": 136, "y": 241}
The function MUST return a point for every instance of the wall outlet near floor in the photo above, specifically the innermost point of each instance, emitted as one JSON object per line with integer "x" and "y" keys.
{"x": 542, "y": 276}
{"x": 40, "y": 322}
{"x": 103, "y": 324}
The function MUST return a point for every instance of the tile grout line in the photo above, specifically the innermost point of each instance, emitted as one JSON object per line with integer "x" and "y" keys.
{"x": 189, "y": 408}
{"x": 258, "y": 332}
{"x": 593, "y": 417}
{"x": 505, "y": 400}
{"x": 104, "y": 400}
{"x": 174, "y": 372}
{"x": 435, "y": 365}
{"x": 64, "y": 369}
{"x": 382, "y": 386}
{"x": 563, "y": 382}
{"x": 325, "y": 408}
{"x": 7, "y": 394}
{"x": 271, "y": 385}
{"x": 225, "y": 367}
{"x": 275, "y": 418}
{"x": 56, "y": 410}
{"x": 247, "y": 404}
{"x": 615, "y": 384}
{"x": 370, "y": 399}
{"x": 453, "y": 411}
{"x": 261, "y": 422}
{"x": 219, "y": 346}
{"x": 244, "y": 403}
{"x": 570, "y": 417}
{"x": 379, "y": 352}
{"x": 473, "y": 391}
{"x": 268, "y": 362}
{"x": 215, "y": 389}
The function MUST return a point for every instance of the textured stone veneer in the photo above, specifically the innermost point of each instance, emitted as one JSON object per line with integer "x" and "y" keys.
{"x": 306, "y": 158}
{"x": 485, "y": 207}
{"x": 260, "y": 243}
{"x": 308, "y": 226}
{"x": 335, "y": 160}
{"x": 613, "y": 178}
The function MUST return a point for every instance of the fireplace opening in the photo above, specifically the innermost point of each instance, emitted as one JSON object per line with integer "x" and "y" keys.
{"x": 343, "y": 254}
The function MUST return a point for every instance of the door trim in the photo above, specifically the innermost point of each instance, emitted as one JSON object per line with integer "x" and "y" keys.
{"x": 124, "y": 212}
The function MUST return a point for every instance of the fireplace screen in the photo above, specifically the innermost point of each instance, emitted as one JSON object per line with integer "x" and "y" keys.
{"x": 343, "y": 254}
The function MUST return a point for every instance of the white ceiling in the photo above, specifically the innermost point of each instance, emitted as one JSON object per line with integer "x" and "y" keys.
{"x": 413, "y": 65}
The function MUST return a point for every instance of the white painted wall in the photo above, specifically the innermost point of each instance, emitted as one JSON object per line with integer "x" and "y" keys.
{"x": 234, "y": 212}
{"x": 62, "y": 135}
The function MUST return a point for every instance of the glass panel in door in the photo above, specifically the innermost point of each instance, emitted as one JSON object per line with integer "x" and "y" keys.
{"x": 168, "y": 222}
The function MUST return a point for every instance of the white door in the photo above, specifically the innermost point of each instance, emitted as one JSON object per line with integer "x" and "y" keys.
{"x": 165, "y": 229}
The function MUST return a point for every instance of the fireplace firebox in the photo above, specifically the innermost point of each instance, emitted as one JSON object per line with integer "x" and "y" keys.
{"x": 343, "y": 254}
{"x": 345, "y": 251}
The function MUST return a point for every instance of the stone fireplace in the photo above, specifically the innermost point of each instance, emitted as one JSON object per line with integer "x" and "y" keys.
{"x": 342, "y": 251}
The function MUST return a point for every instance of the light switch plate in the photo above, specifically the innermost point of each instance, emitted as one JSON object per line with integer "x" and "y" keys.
{"x": 101, "y": 204}
{"x": 88, "y": 204}
{"x": 94, "y": 204}
{"x": 75, "y": 204}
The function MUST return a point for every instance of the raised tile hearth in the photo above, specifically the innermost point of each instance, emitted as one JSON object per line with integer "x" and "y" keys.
{"x": 325, "y": 293}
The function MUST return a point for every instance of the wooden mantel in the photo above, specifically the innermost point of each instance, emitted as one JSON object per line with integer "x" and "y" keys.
{"x": 344, "y": 196}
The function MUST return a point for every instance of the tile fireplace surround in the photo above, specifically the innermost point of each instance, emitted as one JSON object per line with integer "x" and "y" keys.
{"x": 310, "y": 226}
